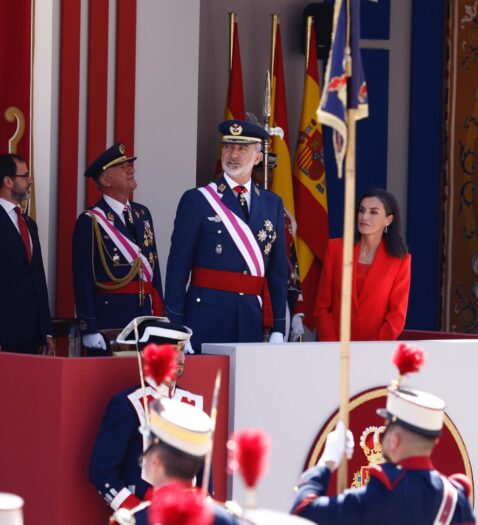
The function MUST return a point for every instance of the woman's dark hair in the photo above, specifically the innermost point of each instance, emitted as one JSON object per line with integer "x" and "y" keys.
{"x": 394, "y": 243}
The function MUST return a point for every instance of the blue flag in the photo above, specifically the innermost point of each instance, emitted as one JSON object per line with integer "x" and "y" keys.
{"x": 342, "y": 92}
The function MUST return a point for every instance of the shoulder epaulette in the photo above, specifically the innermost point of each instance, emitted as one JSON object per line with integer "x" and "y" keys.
{"x": 461, "y": 481}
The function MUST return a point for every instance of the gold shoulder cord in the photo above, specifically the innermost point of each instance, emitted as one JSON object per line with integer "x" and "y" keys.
{"x": 119, "y": 282}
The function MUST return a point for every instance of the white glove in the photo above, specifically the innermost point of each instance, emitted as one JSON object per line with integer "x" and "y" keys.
{"x": 188, "y": 349}
{"x": 94, "y": 341}
{"x": 338, "y": 443}
{"x": 276, "y": 337}
{"x": 296, "y": 327}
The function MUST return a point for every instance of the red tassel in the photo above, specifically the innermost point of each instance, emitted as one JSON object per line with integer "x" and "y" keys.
{"x": 179, "y": 504}
{"x": 159, "y": 362}
{"x": 249, "y": 453}
{"x": 408, "y": 358}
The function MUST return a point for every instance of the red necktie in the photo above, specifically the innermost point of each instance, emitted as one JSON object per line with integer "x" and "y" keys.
{"x": 22, "y": 226}
{"x": 240, "y": 190}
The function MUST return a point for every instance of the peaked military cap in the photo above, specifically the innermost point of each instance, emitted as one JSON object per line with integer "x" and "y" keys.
{"x": 242, "y": 132}
{"x": 111, "y": 157}
{"x": 152, "y": 329}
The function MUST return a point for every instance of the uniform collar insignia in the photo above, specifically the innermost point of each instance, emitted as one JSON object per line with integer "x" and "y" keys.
{"x": 221, "y": 188}
{"x": 110, "y": 216}
{"x": 256, "y": 188}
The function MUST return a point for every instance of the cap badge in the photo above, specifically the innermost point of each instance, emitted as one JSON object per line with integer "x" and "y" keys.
{"x": 235, "y": 129}
{"x": 121, "y": 149}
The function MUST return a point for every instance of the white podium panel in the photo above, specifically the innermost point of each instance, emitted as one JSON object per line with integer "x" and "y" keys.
{"x": 290, "y": 390}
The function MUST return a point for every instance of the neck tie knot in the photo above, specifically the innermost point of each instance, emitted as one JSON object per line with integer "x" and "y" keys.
{"x": 240, "y": 189}
{"x": 129, "y": 222}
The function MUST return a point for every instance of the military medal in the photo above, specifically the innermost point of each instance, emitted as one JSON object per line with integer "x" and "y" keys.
{"x": 148, "y": 234}
{"x": 262, "y": 235}
{"x": 267, "y": 248}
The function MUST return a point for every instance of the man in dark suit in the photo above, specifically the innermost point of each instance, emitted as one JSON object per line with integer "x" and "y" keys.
{"x": 229, "y": 237}
{"x": 116, "y": 273}
{"x": 25, "y": 322}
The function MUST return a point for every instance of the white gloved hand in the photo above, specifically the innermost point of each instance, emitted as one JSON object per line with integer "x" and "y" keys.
{"x": 296, "y": 327}
{"x": 276, "y": 337}
{"x": 338, "y": 443}
{"x": 96, "y": 341}
{"x": 188, "y": 349}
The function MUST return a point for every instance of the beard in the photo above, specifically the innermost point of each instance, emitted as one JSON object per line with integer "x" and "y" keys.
{"x": 240, "y": 171}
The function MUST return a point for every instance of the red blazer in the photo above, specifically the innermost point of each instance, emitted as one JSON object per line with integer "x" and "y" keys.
{"x": 379, "y": 312}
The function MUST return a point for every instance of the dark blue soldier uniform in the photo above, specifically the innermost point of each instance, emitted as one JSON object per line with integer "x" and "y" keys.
{"x": 221, "y": 303}
{"x": 114, "y": 468}
{"x": 407, "y": 493}
{"x": 95, "y": 260}
{"x": 221, "y": 516}
{"x": 407, "y": 489}
{"x": 116, "y": 273}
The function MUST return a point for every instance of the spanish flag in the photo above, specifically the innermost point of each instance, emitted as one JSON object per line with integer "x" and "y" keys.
{"x": 282, "y": 181}
{"x": 310, "y": 191}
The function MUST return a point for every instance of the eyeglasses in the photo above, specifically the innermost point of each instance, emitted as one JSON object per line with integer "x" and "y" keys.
{"x": 24, "y": 176}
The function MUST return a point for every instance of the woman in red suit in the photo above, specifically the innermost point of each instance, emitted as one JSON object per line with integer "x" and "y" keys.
{"x": 381, "y": 275}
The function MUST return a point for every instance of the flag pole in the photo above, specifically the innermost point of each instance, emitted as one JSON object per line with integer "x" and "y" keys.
{"x": 266, "y": 114}
{"x": 208, "y": 459}
{"x": 275, "y": 21}
{"x": 347, "y": 266}
{"x": 232, "y": 20}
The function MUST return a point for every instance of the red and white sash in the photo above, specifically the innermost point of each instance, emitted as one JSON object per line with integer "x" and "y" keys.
{"x": 129, "y": 249}
{"x": 448, "y": 503}
{"x": 238, "y": 230}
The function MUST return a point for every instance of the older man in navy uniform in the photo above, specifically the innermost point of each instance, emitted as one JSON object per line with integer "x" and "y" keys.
{"x": 114, "y": 468}
{"x": 406, "y": 489}
{"x": 228, "y": 243}
{"x": 116, "y": 273}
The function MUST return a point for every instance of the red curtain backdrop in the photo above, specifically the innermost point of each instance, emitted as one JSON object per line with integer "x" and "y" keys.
{"x": 15, "y": 71}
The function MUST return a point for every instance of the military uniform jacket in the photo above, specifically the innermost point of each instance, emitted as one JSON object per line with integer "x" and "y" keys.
{"x": 97, "y": 310}
{"x": 114, "y": 468}
{"x": 24, "y": 310}
{"x": 221, "y": 516}
{"x": 409, "y": 493}
{"x": 200, "y": 239}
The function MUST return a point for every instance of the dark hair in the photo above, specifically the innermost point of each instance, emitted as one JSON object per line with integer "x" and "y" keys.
{"x": 178, "y": 464}
{"x": 394, "y": 243}
{"x": 8, "y": 167}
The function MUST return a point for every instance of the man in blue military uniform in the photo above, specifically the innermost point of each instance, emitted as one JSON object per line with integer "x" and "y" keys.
{"x": 229, "y": 241}
{"x": 179, "y": 437}
{"x": 116, "y": 274}
{"x": 406, "y": 489}
{"x": 114, "y": 468}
